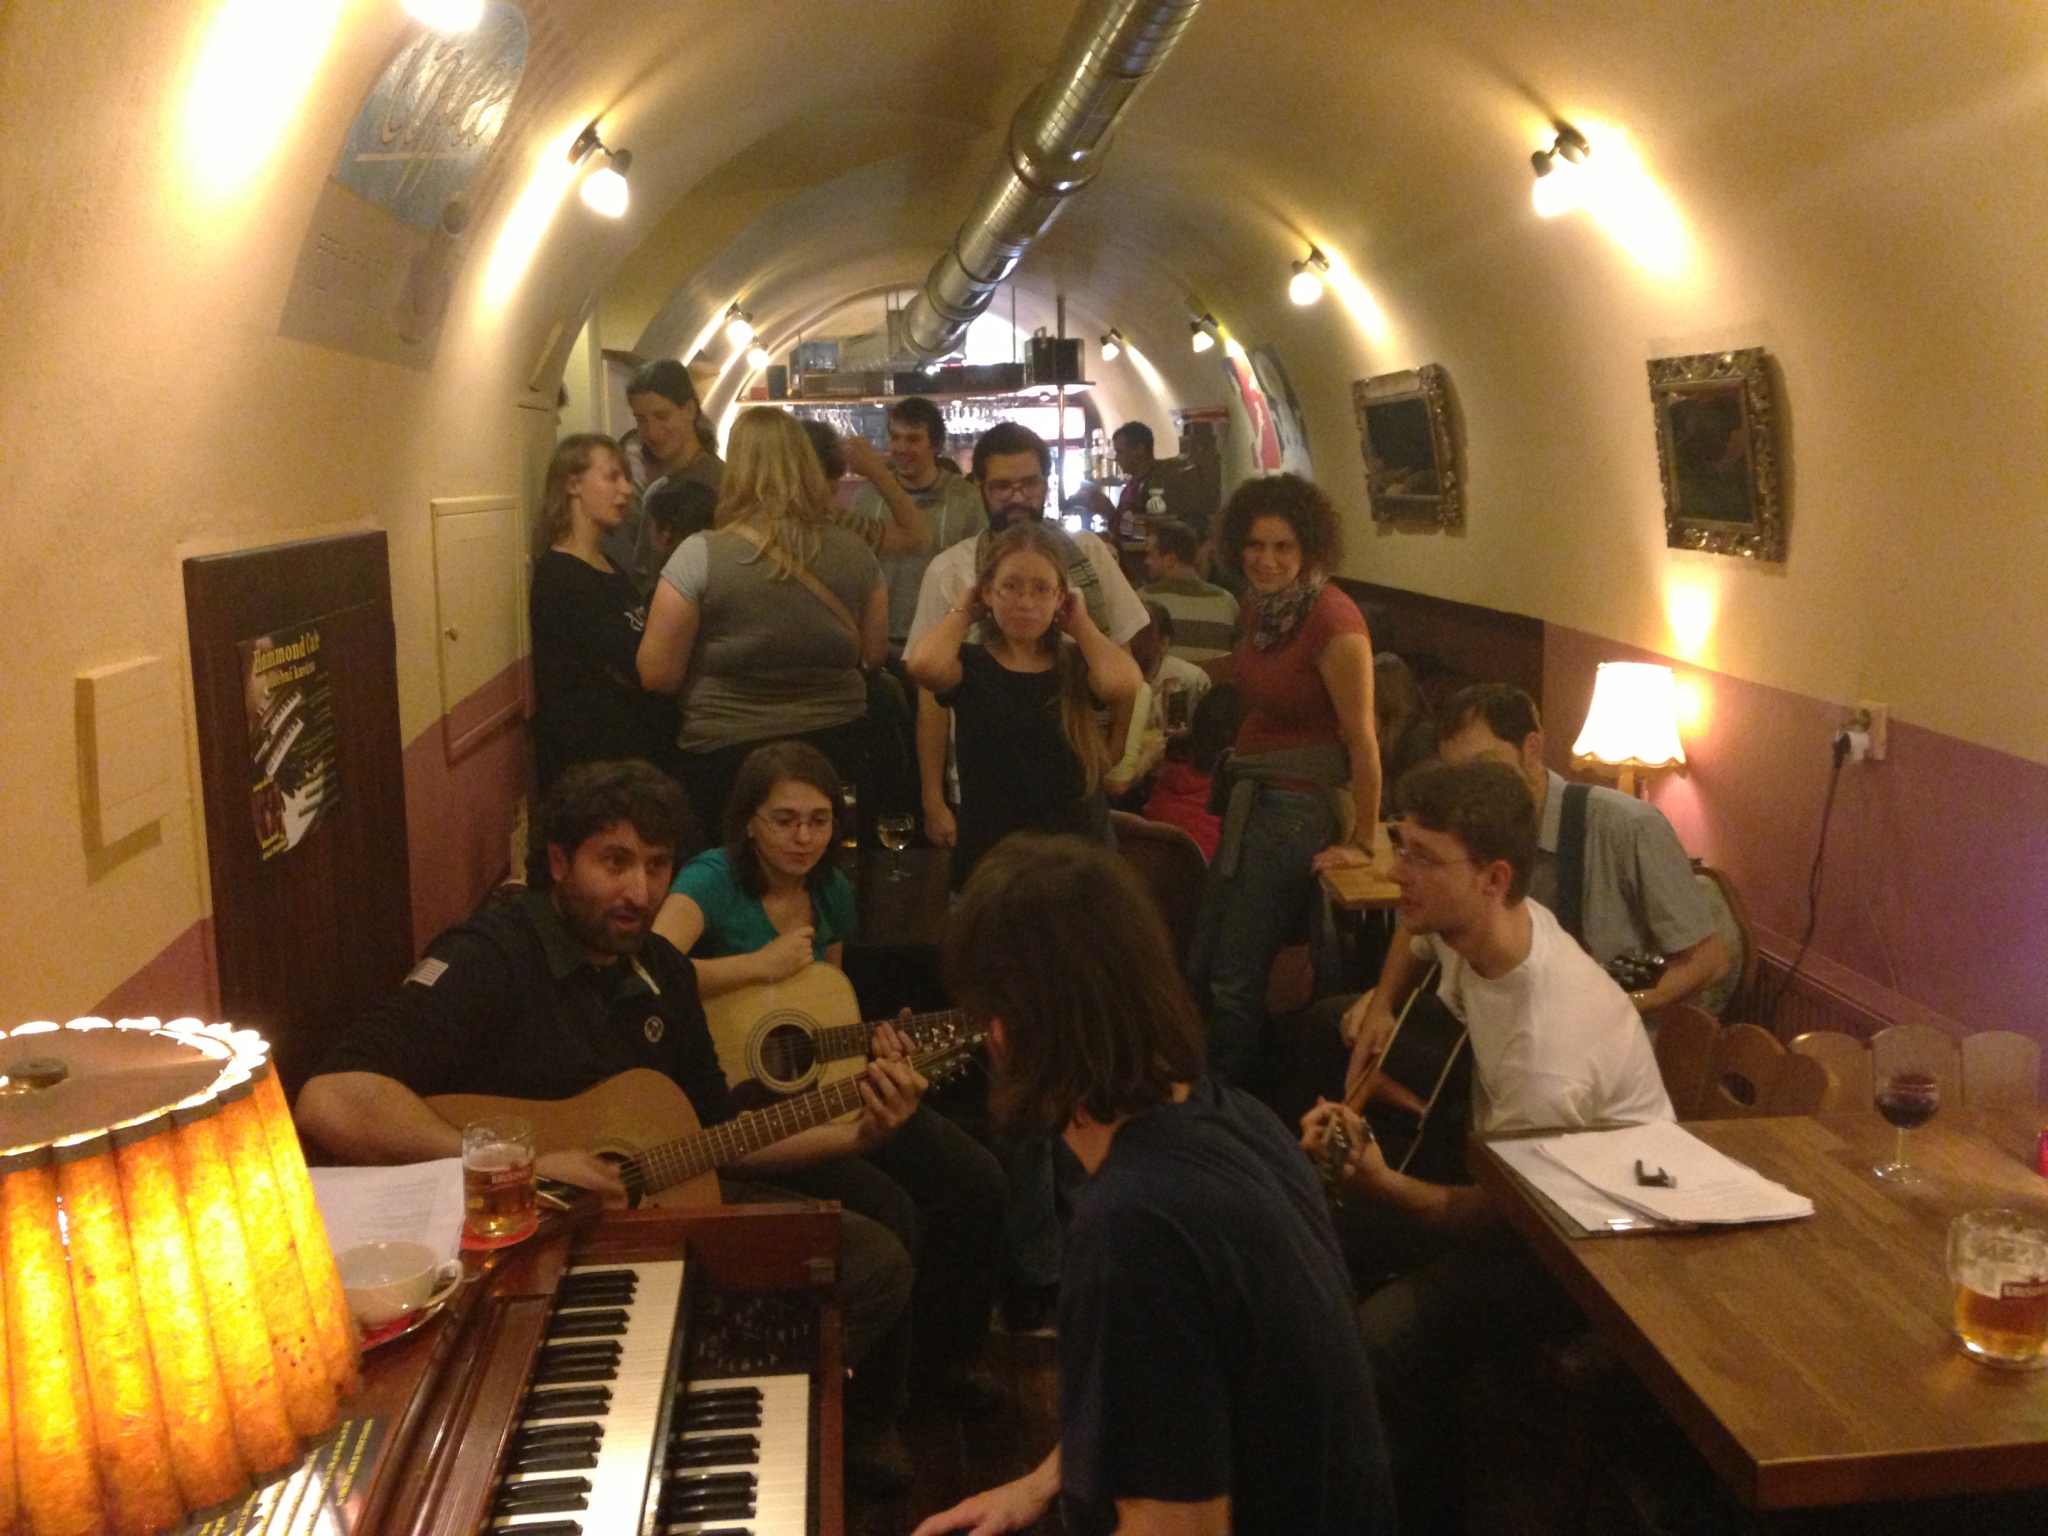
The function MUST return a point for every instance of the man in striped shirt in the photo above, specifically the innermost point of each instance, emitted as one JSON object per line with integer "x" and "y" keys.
{"x": 1204, "y": 615}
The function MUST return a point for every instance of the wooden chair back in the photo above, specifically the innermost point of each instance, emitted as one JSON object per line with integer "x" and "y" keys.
{"x": 1686, "y": 1037}
{"x": 1918, "y": 1048}
{"x": 1752, "y": 1076}
{"x": 1847, "y": 1061}
{"x": 1734, "y": 995}
{"x": 1171, "y": 865}
{"x": 2000, "y": 1068}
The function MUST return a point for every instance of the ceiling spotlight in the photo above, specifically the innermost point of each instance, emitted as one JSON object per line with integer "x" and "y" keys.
{"x": 604, "y": 189}
{"x": 739, "y": 326}
{"x": 1202, "y": 332}
{"x": 1112, "y": 346}
{"x": 447, "y": 15}
{"x": 1560, "y": 172}
{"x": 1306, "y": 286}
{"x": 757, "y": 357}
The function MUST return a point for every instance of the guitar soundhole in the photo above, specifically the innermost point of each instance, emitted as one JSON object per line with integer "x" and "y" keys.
{"x": 788, "y": 1054}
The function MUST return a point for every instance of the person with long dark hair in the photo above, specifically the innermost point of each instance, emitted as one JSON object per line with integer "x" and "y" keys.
{"x": 586, "y": 616}
{"x": 1303, "y": 780}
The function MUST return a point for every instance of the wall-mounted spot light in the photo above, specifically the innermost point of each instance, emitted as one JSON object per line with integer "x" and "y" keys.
{"x": 1306, "y": 286}
{"x": 1112, "y": 346}
{"x": 604, "y": 189}
{"x": 446, "y": 15}
{"x": 1202, "y": 332}
{"x": 739, "y": 326}
{"x": 1560, "y": 172}
{"x": 757, "y": 357}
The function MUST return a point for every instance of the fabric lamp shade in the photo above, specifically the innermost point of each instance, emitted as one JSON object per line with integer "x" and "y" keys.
{"x": 173, "y": 1322}
{"x": 1633, "y": 719}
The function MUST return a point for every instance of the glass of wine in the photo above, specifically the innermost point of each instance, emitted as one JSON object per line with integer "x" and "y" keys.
{"x": 896, "y": 829}
{"x": 1908, "y": 1100}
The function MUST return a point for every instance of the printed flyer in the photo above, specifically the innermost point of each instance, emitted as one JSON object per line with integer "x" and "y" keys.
{"x": 288, "y": 689}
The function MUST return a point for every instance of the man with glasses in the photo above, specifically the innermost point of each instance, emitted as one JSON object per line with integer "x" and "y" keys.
{"x": 1012, "y": 469}
{"x": 1554, "y": 1044}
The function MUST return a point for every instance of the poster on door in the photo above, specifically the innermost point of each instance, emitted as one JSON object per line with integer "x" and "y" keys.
{"x": 288, "y": 689}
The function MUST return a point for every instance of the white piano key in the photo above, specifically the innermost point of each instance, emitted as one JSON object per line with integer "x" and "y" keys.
{"x": 629, "y": 1463}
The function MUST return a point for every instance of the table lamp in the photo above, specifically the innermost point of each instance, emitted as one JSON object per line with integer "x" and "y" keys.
{"x": 1632, "y": 723}
{"x": 173, "y": 1322}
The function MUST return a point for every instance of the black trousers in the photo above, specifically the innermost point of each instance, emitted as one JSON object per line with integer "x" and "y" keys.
{"x": 708, "y": 776}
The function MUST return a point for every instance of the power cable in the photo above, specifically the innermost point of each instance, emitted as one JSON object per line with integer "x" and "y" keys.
{"x": 1827, "y": 811}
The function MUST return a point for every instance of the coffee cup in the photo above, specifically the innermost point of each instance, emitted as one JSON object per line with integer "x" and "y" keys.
{"x": 386, "y": 1281}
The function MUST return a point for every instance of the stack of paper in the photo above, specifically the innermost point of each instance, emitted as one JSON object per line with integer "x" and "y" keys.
{"x": 410, "y": 1203}
{"x": 1707, "y": 1187}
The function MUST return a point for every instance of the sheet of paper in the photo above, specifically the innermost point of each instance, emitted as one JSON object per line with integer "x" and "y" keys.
{"x": 1707, "y": 1186}
{"x": 412, "y": 1203}
{"x": 1570, "y": 1193}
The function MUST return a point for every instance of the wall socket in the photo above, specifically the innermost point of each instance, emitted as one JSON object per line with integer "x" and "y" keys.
{"x": 1875, "y": 719}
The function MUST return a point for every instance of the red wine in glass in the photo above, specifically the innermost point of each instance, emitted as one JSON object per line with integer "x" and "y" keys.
{"x": 1908, "y": 1100}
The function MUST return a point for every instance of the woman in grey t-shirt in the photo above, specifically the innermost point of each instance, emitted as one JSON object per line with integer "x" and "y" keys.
{"x": 766, "y": 623}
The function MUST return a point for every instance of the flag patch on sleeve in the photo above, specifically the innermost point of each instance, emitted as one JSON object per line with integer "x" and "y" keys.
{"x": 428, "y": 971}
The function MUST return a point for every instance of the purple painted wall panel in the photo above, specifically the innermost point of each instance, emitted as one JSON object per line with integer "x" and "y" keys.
{"x": 1936, "y": 880}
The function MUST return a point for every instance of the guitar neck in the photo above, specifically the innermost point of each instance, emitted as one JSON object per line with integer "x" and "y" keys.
{"x": 838, "y": 1041}
{"x": 672, "y": 1162}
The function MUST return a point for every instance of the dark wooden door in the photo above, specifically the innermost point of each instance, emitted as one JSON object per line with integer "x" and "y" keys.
{"x": 305, "y": 938}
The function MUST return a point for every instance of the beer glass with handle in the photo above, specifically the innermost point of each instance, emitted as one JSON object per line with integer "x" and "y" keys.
{"x": 498, "y": 1191}
{"x": 1998, "y": 1261}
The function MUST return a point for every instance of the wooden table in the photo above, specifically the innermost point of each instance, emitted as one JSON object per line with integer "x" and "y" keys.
{"x": 1363, "y": 889}
{"x": 1814, "y": 1362}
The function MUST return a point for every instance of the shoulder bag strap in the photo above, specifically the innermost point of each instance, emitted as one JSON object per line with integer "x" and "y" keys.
{"x": 1571, "y": 862}
{"x": 811, "y": 584}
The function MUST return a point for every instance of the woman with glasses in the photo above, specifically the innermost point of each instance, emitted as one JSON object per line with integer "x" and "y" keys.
{"x": 1031, "y": 752}
{"x": 768, "y": 902}
{"x": 1301, "y": 790}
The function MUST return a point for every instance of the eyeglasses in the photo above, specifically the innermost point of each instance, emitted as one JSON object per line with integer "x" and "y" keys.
{"x": 1416, "y": 858}
{"x": 789, "y": 823}
{"x": 1018, "y": 591}
{"x": 1003, "y": 490}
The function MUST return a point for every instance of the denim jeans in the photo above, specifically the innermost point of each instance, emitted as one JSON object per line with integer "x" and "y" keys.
{"x": 1247, "y": 916}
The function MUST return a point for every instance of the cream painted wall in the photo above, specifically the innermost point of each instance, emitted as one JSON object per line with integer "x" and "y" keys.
{"x": 1861, "y": 186}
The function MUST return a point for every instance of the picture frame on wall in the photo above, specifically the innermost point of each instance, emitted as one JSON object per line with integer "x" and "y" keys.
{"x": 1407, "y": 430}
{"x": 1719, "y": 453}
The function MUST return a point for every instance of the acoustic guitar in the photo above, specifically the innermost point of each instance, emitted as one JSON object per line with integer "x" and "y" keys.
{"x": 1418, "y": 1099}
{"x": 644, "y": 1124}
{"x": 787, "y": 1035}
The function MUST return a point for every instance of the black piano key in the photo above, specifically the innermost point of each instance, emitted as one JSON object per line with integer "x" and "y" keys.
{"x": 722, "y": 1395}
{"x": 567, "y": 1371}
{"x": 583, "y": 1281}
{"x": 709, "y": 1482}
{"x": 609, "y": 1348}
{"x": 545, "y": 1496}
{"x": 567, "y": 1403}
{"x": 570, "y": 1528}
{"x": 715, "y": 1450}
{"x": 689, "y": 1528}
{"x": 599, "y": 1322}
{"x": 552, "y": 1459}
{"x": 736, "y": 1507}
{"x": 557, "y": 1434}
{"x": 728, "y": 1418}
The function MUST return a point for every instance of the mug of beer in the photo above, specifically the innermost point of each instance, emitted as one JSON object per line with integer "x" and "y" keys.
{"x": 1999, "y": 1263}
{"x": 497, "y": 1181}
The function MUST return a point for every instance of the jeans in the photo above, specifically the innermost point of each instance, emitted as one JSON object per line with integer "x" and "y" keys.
{"x": 1246, "y": 917}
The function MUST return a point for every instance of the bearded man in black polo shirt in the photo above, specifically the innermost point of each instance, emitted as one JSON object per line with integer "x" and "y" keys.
{"x": 549, "y": 990}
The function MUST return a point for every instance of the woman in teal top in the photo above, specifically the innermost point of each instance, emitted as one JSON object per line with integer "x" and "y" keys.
{"x": 769, "y": 902}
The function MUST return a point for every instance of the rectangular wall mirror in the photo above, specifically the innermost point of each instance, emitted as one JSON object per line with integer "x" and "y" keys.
{"x": 1407, "y": 432}
{"x": 1717, "y": 453}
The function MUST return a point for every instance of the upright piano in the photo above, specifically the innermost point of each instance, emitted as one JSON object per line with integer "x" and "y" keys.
{"x": 653, "y": 1373}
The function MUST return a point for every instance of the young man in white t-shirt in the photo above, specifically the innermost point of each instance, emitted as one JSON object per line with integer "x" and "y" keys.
{"x": 1555, "y": 1042}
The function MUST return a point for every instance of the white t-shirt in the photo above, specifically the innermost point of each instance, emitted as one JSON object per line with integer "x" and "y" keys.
{"x": 1555, "y": 1042}
{"x": 951, "y": 574}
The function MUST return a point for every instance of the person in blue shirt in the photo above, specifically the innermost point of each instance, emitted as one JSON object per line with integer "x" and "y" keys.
{"x": 768, "y": 902}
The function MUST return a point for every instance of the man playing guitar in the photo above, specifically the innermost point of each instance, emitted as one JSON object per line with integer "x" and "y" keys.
{"x": 1554, "y": 1043}
{"x": 549, "y": 990}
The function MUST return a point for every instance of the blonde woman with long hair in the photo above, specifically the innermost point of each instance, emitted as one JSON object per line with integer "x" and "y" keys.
{"x": 765, "y": 623}
{"x": 1031, "y": 750}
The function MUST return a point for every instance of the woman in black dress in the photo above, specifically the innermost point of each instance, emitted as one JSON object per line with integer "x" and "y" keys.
{"x": 586, "y": 618}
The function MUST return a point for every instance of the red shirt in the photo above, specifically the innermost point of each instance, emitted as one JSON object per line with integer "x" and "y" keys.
{"x": 1180, "y": 797}
{"x": 1285, "y": 703}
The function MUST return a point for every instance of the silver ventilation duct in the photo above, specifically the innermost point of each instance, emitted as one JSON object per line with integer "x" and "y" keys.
{"x": 1055, "y": 147}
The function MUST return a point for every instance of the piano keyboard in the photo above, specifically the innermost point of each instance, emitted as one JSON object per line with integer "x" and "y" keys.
{"x": 583, "y": 1457}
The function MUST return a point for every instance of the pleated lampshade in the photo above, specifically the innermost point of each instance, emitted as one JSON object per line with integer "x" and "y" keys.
{"x": 173, "y": 1323}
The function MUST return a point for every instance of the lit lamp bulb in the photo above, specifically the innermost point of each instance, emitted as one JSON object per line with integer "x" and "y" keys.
{"x": 757, "y": 357}
{"x": 604, "y": 189}
{"x": 1200, "y": 340}
{"x": 739, "y": 330}
{"x": 1306, "y": 286}
{"x": 446, "y": 15}
{"x": 1561, "y": 174}
{"x": 1112, "y": 347}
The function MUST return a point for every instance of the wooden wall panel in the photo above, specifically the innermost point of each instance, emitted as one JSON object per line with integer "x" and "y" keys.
{"x": 305, "y": 939}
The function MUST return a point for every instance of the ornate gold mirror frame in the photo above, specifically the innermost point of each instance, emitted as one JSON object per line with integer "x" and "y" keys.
{"x": 1718, "y": 453}
{"x": 1407, "y": 431}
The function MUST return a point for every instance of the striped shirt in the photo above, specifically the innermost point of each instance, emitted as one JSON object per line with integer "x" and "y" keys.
{"x": 1204, "y": 616}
